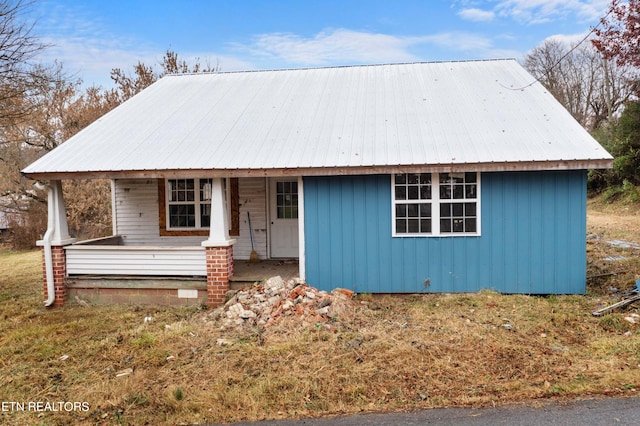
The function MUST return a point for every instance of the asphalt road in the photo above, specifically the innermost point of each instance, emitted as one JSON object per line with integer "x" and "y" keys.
{"x": 609, "y": 411}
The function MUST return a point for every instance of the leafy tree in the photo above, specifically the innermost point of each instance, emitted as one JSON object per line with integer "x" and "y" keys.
{"x": 626, "y": 146}
{"x": 622, "y": 140}
{"x": 619, "y": 37}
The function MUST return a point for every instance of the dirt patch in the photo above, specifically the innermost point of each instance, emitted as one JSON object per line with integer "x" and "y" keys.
{"x": 615, "y": 226}
{"x": 613, "y": 247}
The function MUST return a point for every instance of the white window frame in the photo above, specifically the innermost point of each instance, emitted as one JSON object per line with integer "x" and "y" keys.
{"x": 436, "y": 202}
{"x": 197, "y": 203}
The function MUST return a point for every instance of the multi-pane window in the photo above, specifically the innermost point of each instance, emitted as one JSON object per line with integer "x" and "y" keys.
{"x": 458, "y": 213}
{"x": 189, "y": 203}
{"x": 412, "y": 194}
{"x": 435, "y": 204}
{"x": 287, "y": 200}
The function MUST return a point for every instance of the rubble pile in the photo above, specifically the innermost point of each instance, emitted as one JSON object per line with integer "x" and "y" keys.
{"x": 272, "y": 300}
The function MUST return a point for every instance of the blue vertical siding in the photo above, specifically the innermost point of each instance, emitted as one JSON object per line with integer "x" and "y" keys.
{"x": 533, "y": 238}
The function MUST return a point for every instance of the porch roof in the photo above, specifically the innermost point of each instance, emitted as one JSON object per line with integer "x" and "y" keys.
{"x": 480, "y": 115}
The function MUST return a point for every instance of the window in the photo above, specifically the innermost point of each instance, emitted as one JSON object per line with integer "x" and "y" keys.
{"x": 184, "y": 206}
{"x": 413, "y": 204}
{"x": 287, "y": 200}
{"x": 435, "y": 204}
{"x": 188, "y": 203}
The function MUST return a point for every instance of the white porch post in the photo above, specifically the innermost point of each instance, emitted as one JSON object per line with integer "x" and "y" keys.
{"x": 302, "y": 270}
{"x": 53, "y": 242}
{"x": 219, "y": 247}
{"x": 60, "y": 235}
{"x": 219, "y": 225}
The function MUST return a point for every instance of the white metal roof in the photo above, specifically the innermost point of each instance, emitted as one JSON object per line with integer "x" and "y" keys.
{"x": 484, "y": 115}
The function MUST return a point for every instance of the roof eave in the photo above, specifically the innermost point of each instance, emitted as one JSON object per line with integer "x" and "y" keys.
{"x": 587, "y": 164}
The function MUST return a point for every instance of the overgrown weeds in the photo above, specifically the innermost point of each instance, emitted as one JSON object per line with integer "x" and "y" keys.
{"x": 392, "y": 353}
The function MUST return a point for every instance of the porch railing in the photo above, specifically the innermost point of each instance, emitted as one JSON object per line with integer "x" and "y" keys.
{"x": 107, "y": 256}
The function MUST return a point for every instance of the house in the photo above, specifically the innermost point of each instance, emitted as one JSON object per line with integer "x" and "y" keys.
{"x": 4, "y": 222}
{"x": 402, "y": 178}
{"x": 11, "y": 212}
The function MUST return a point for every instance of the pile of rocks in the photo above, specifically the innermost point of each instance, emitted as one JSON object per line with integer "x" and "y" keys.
{"x": 272, "y": 300}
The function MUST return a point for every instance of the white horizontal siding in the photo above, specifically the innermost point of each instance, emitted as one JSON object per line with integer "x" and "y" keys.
{"x": 252, "y": 195}
{"x": 136, "y": 215}
{"x": 121, "y": 260}
{"x": 136, "y": 211}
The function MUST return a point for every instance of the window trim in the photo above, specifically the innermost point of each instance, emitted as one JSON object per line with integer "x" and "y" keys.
{"x": 435, "y": 202}
{"x": 163, "y": 212}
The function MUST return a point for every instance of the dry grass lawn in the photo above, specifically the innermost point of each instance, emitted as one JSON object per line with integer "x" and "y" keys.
{"x": 390, "y": 353}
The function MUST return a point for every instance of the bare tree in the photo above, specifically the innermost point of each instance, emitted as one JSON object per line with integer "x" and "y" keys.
{"x": 614, "y": 88}
{"x": 592, "y": 88}
{"x": 40, "y": 108}
{"x": 18, "y": 48}
{"x": 128, "y": 85}
{"x": 22, "y": 83}
{"x": 172, "y": 65}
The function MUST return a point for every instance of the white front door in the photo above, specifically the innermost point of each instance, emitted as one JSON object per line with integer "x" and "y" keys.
{"x": 284, "y": 217}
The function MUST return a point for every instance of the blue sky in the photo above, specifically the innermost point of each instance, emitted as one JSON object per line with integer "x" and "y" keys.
{"x": 90, "y": 37}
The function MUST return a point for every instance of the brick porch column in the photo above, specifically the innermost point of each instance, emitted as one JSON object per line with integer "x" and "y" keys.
{"x": 219, "y": 272}
{"x": 219, "y": 247}
{"x": 59, "y": 260}
{"x": 53, "y": 242}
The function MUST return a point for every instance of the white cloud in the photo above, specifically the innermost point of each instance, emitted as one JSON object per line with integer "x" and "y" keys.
{"x": 476, "y": 15}
{"x": 330, "y": 47}
{"x": 84, "y": 45}
{"x": 93, "y": 59}
{"x": 90, "y": 49}
{"x": 459, "y": 41}
{"x": 567, "y": 39}
{"x": 543, "y": 11}
{"x": 343, "y": 47}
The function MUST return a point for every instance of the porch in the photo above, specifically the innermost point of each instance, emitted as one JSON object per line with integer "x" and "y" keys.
{"x": 247, "y": 273}
{"x": 108, "y": 256}
{"x": 147, "y": 261}
{"x": 102, "y": 272}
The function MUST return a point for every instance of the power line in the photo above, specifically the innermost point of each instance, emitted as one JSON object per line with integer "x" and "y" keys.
{"x": 585, "y": 38}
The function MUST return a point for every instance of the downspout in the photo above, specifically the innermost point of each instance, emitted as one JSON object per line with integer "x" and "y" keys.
{"x": 46, "y": 240}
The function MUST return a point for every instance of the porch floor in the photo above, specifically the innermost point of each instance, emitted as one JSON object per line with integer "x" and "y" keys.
{"x": 245, "y": 273}
{"x": 248, "y": 273}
